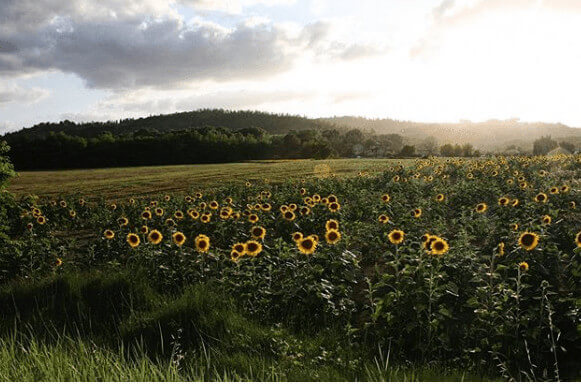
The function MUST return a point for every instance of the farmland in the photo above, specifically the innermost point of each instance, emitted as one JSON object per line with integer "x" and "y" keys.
{"x": 425, "y": 269}
{"x": 114, "y": 183}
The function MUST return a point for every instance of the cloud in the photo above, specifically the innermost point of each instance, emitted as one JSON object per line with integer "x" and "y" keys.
{"x": 232, "y": 6}
{"x": 12, "y": 93}
{"x": 119, "y": 45}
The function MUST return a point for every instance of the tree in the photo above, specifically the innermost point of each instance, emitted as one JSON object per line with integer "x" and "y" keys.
{"x": 568, "y": 146}
{"x": 467, "y": 150}
{"x": 429, "y": 145}
{"x": 447, "y": 150}
{"x": 543, "y": 145}
{"x": 408, "y": 151}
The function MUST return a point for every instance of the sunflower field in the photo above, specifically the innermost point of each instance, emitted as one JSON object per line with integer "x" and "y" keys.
{"x": 471, "y": 263}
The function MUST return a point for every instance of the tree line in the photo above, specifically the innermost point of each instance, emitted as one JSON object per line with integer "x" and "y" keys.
{"x": 60, "y": 150}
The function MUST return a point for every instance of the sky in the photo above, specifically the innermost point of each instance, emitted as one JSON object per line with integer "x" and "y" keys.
{"x": 420, "y": 60}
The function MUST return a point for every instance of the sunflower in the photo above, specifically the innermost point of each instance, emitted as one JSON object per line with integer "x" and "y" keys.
{"x": 385, "y": 198}
{"x": 235, "y": 256}
{"x": 193, "y": 214}
{"x": 144, "y": 229}
{"x": 332, "y": 224}
{"x": 153, "y": 203}
{"x": 303, "y": 191}
{"x": 203, "y": 205}
{"x": 202, "y": 243}
{"x": 554, "y": 190}
{"x": 169, "y": 222}
{"x": 253, "y": 218}
{"x": 332, "y": 199}
{"x": 109, "y": 234}
{"x": 297, "y": 236}
{"x": 178, "y": 238}
{"x": 205, "y": 218}
{"x": 155, "y": 237}
{"x": 440, "y": 197}
{"x": 146, "y": 215}
{"x": 396, "y": 178}
{"x": 503, "y": 201}
{"x": 224, "y": 213}
{"x": 396, "y": 236}
{"x": 41, "y": 220}
{"x": 258, "y": 232}
{"x": 541, "y": 198}
{"x": 417, "y": 212}
{"x": 72, "y": 214}
{"x": 307, "y": 245}
{"x": 178, "y": 215}
{"x": 266, "y": 207}
{"x": 199, "y": 195}
{"x": 293, "y": 207}
{"x": 501, "y": 249}
{"x": 510, "y": 181}
{"x": 166, "y": 197}
{"x": 253, "y": 248}
{"x": 578, "y": 239}
{"x": 481, "y": 208}
{"x": 316, "y": 197}
{"x": 283, "y": 208}
{"x": 59, "y": 261}
{"x": 572, "y": 204}
{"x": 81, "y": 201}
{"x": 228, "y": 200}
{"x": 383, "y": 219}
{"x": 514, "y": 202}
{"x": 514, "y": 226}
{"x": 123, "y": 221}
{"x": 439, "y": 246}
{"x": 565, "y": 188}
{"x": 29, "y": 226}
{"x": 133, "y": 240}
{"x": 332, "y": 236}
{"x": 63, "y": 203}
{"x": 214, "y": 204}
{"x": 523, "y": 266}
{"x": 334, "y": 207}
{"x": 528, "y": 240}
{"x": 289, "y": 215}
{"x": 546, "y": 219}
{"x": 257, "y": 207}
{"x": 132, "y": 201}
{"x": 239, "y": 248}
{"x": 424, "y": 238}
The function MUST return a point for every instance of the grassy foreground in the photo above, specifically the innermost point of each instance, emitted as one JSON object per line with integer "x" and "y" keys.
{"x": 116, "y": 183}
{"x": 111, "y": 327}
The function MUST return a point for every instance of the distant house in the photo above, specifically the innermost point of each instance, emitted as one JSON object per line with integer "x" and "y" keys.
{"x": 558, "y": 151}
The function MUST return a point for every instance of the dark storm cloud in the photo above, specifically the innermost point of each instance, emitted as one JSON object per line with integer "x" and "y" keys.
{"x": 115, "y": 46}
{"x": 122, "y": 55}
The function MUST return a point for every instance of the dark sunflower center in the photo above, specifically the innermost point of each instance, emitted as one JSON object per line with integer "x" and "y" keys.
{"x": 308, "y": 243}
{"x": 396, "y": 236}
{"x": 438, "y": 246}
{"x": 252, "y": 247}
{"x": 332, "y": 236}
{"x": 528, "y": 239}
{"x": 202, "y": 244}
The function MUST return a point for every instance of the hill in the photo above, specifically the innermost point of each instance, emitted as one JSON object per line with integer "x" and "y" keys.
{"x": 491, "y": 135}
{"x": 234, "y": 120}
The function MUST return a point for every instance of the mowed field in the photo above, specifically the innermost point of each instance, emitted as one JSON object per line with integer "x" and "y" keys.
{"x": 115, "y": 183}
